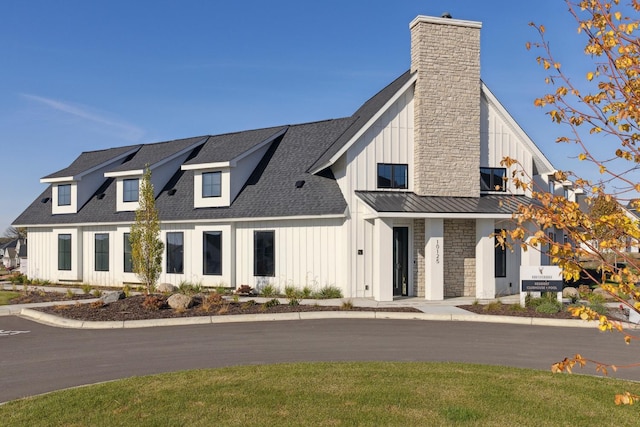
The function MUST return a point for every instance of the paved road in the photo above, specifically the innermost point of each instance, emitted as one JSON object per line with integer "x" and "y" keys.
{"x": 41, "y": 358}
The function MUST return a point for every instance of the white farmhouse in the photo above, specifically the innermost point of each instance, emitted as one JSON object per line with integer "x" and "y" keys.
{"x": 400, "y": 199}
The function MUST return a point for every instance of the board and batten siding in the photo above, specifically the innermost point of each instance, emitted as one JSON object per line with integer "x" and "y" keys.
{"x": 309, "y": 252}
{"x": 498, "y": 139}
{"x": 389, "y": 140}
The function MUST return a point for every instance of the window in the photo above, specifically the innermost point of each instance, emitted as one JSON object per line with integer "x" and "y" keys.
{"x": 64, "y": 195}
{"x": 64, "y": 252}
{"x": 175, "y": 253}
{"x": 130, "y": 190}
{"x": 101, "y": 252}
{"x": 500, "y": 261}
{"x": 128, "y": 260}
{"x": 263, "y": 253}
{"x": 212, "y": 244}
{"x": 392, "y": 175}
{"x": 491, "y": 179}
{"x": 211, "y": 184}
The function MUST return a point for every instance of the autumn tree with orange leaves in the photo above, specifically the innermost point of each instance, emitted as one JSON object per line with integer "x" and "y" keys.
{"x": 601, "y": 107}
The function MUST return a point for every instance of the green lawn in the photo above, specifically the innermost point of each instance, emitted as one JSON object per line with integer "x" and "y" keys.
{"x": 336, "y": 394}
{"x": 5, "y": 296}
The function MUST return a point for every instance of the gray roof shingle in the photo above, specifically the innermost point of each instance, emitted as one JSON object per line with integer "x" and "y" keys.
{"x": 150, "y": 154}
{"x": 90, "y": 159}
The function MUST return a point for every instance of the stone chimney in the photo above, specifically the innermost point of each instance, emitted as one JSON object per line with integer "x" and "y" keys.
{"x": 445, "y": 53}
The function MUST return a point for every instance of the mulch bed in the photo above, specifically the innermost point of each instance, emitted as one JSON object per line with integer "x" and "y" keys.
{"x": 507, "y": 310}
{"x": 132, "y": 308}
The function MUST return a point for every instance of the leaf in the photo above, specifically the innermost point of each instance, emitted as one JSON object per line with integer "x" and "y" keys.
{"x": 589, "y": 76}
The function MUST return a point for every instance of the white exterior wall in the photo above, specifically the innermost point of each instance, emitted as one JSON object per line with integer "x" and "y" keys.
{"x": 307, "y": 253}
{"x": 499, "y": 139}
{"x": 388, "y": 140}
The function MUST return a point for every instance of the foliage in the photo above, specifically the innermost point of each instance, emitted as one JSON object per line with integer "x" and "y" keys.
{"x": 189, "y": 288}
{"x": 328, "y": 292}
{"x": 600, "y": 115}
{"x": 271, "y": 303}
{"x": 245, "y": 290}
{"x": 269, "y": 291}
{"x": 154, "y": 302}
{"x": 12, "y": 233}
{"x": 86, "y": 288}
{"x": 146, "y": 246}
{"x": 211, "y": 300}
{"x": 549, "y": 307}
{"x": 347, "y": 305}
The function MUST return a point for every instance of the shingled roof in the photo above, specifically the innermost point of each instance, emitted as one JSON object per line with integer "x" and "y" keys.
{"x": 91, "y": 159}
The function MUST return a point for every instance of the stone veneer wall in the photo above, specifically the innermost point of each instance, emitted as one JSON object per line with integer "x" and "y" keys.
{"x": 418, "y": 254}
{"x": 459, "y": 256}
{"x": 446, "y": 55}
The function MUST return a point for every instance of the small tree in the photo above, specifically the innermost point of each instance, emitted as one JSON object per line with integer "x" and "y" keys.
{"x": 601, "y": 113}
{"x": 146, "y": 246}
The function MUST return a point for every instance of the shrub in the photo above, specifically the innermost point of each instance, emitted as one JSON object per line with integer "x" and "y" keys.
{"x": 271, "y": 303}
{"x": 493, "y": 306}
{"x": 248, "y": 304}
{"x": 153, "y": 302}
{"x": 328, "y": 292}
{"x": 86, "y": 288}
{"x": 269, "y": 291}
{"x": 347, "y": 305}
{"x": 291, "y": 292}
{"x": 548, "y": 307}
{"x": 307, "y": 292}
{"x": 598, "y": 307}
{"x": 244, "y": 290}
{"x": 212, "y": 300}
{"x": 69, "y": 293}
{"x": 126, "y": 289}
{"x": 294, "y": 301}
{"x": 97, "y": 293}
{"x": 516, "y": 307}
{"x": 189, "y": 288}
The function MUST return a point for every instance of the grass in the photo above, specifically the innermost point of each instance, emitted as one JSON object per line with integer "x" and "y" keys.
{"x": 364, "y": 394}
{"x": 5, "y": 296}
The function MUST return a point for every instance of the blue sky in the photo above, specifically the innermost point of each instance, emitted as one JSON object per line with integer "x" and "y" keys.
{"x": 86, "y": 75}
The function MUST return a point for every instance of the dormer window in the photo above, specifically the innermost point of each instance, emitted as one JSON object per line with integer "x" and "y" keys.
{"x": 64, "y": 195}
{"x": 393, "y": 175}
{"x": 492, "y": 179}
{"x": 211, "y": 184}
{"x": 130, "y": 190}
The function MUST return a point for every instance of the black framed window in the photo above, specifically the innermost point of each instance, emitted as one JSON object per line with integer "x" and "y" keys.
{"x": 392, "y": 175}
{"x": 64, "y": 252}
{"x": 212, "y": 257}
{"x": 264, "y": 253}
{"x": 175, "y": 253}
{"x": 130, "y": 190}
{"x": 128, "y": 258}
{"x": 101, "y": 251}
{"x": 492, "y": 179}
{"x": 500, "y": 262}
{"x": 211, "y": 184}
{"x": 64, "y": 195}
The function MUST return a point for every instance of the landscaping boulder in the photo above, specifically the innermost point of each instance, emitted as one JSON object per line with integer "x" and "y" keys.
{"x": 570, "y": 292}
{"x": 600, "y": 291}
{"x": 166, "y": 288}
{"x": 180, "y": 301}
{"x": 113, "y": 296}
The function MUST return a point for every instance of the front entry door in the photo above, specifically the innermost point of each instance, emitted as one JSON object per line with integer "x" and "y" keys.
{"x": 400, "y": 261}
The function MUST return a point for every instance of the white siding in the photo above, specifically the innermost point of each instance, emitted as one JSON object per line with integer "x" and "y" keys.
{"x": 388, "y": 140}
{"x": 498, "y": 139}
{"x": 307, "y": 253}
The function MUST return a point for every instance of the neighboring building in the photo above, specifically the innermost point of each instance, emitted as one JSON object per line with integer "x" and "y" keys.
{"x": 398, "y": 199}
{"x": 21, "y": 256}
{"x": 8, "y": 253}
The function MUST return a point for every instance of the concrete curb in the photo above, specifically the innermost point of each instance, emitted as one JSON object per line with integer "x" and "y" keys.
{"x": 52, "y": 320}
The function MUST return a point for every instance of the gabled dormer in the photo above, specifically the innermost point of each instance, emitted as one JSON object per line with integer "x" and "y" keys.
{"x": 163, "y": 159}
{"x": 73, "y": 186}
{"x": 225, "y": 162}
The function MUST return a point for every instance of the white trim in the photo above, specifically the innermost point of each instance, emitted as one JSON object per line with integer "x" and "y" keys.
{"x": 367, "y": 125}
{"x": 215, "y": 165}
{"x": 133, "y": 172}
{"x": 191, "y": 221}
{"x": 444, "y": 21}
{"x": 537, "y": 154}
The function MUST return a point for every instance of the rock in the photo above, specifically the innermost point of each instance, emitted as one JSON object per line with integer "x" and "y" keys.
{"x": 110, "y": 297}
{"x": 180, "y": 301}
{"x": 600, "y": 291}
{"x": 570, "y": 292}
{"x": 165, "y": 288}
